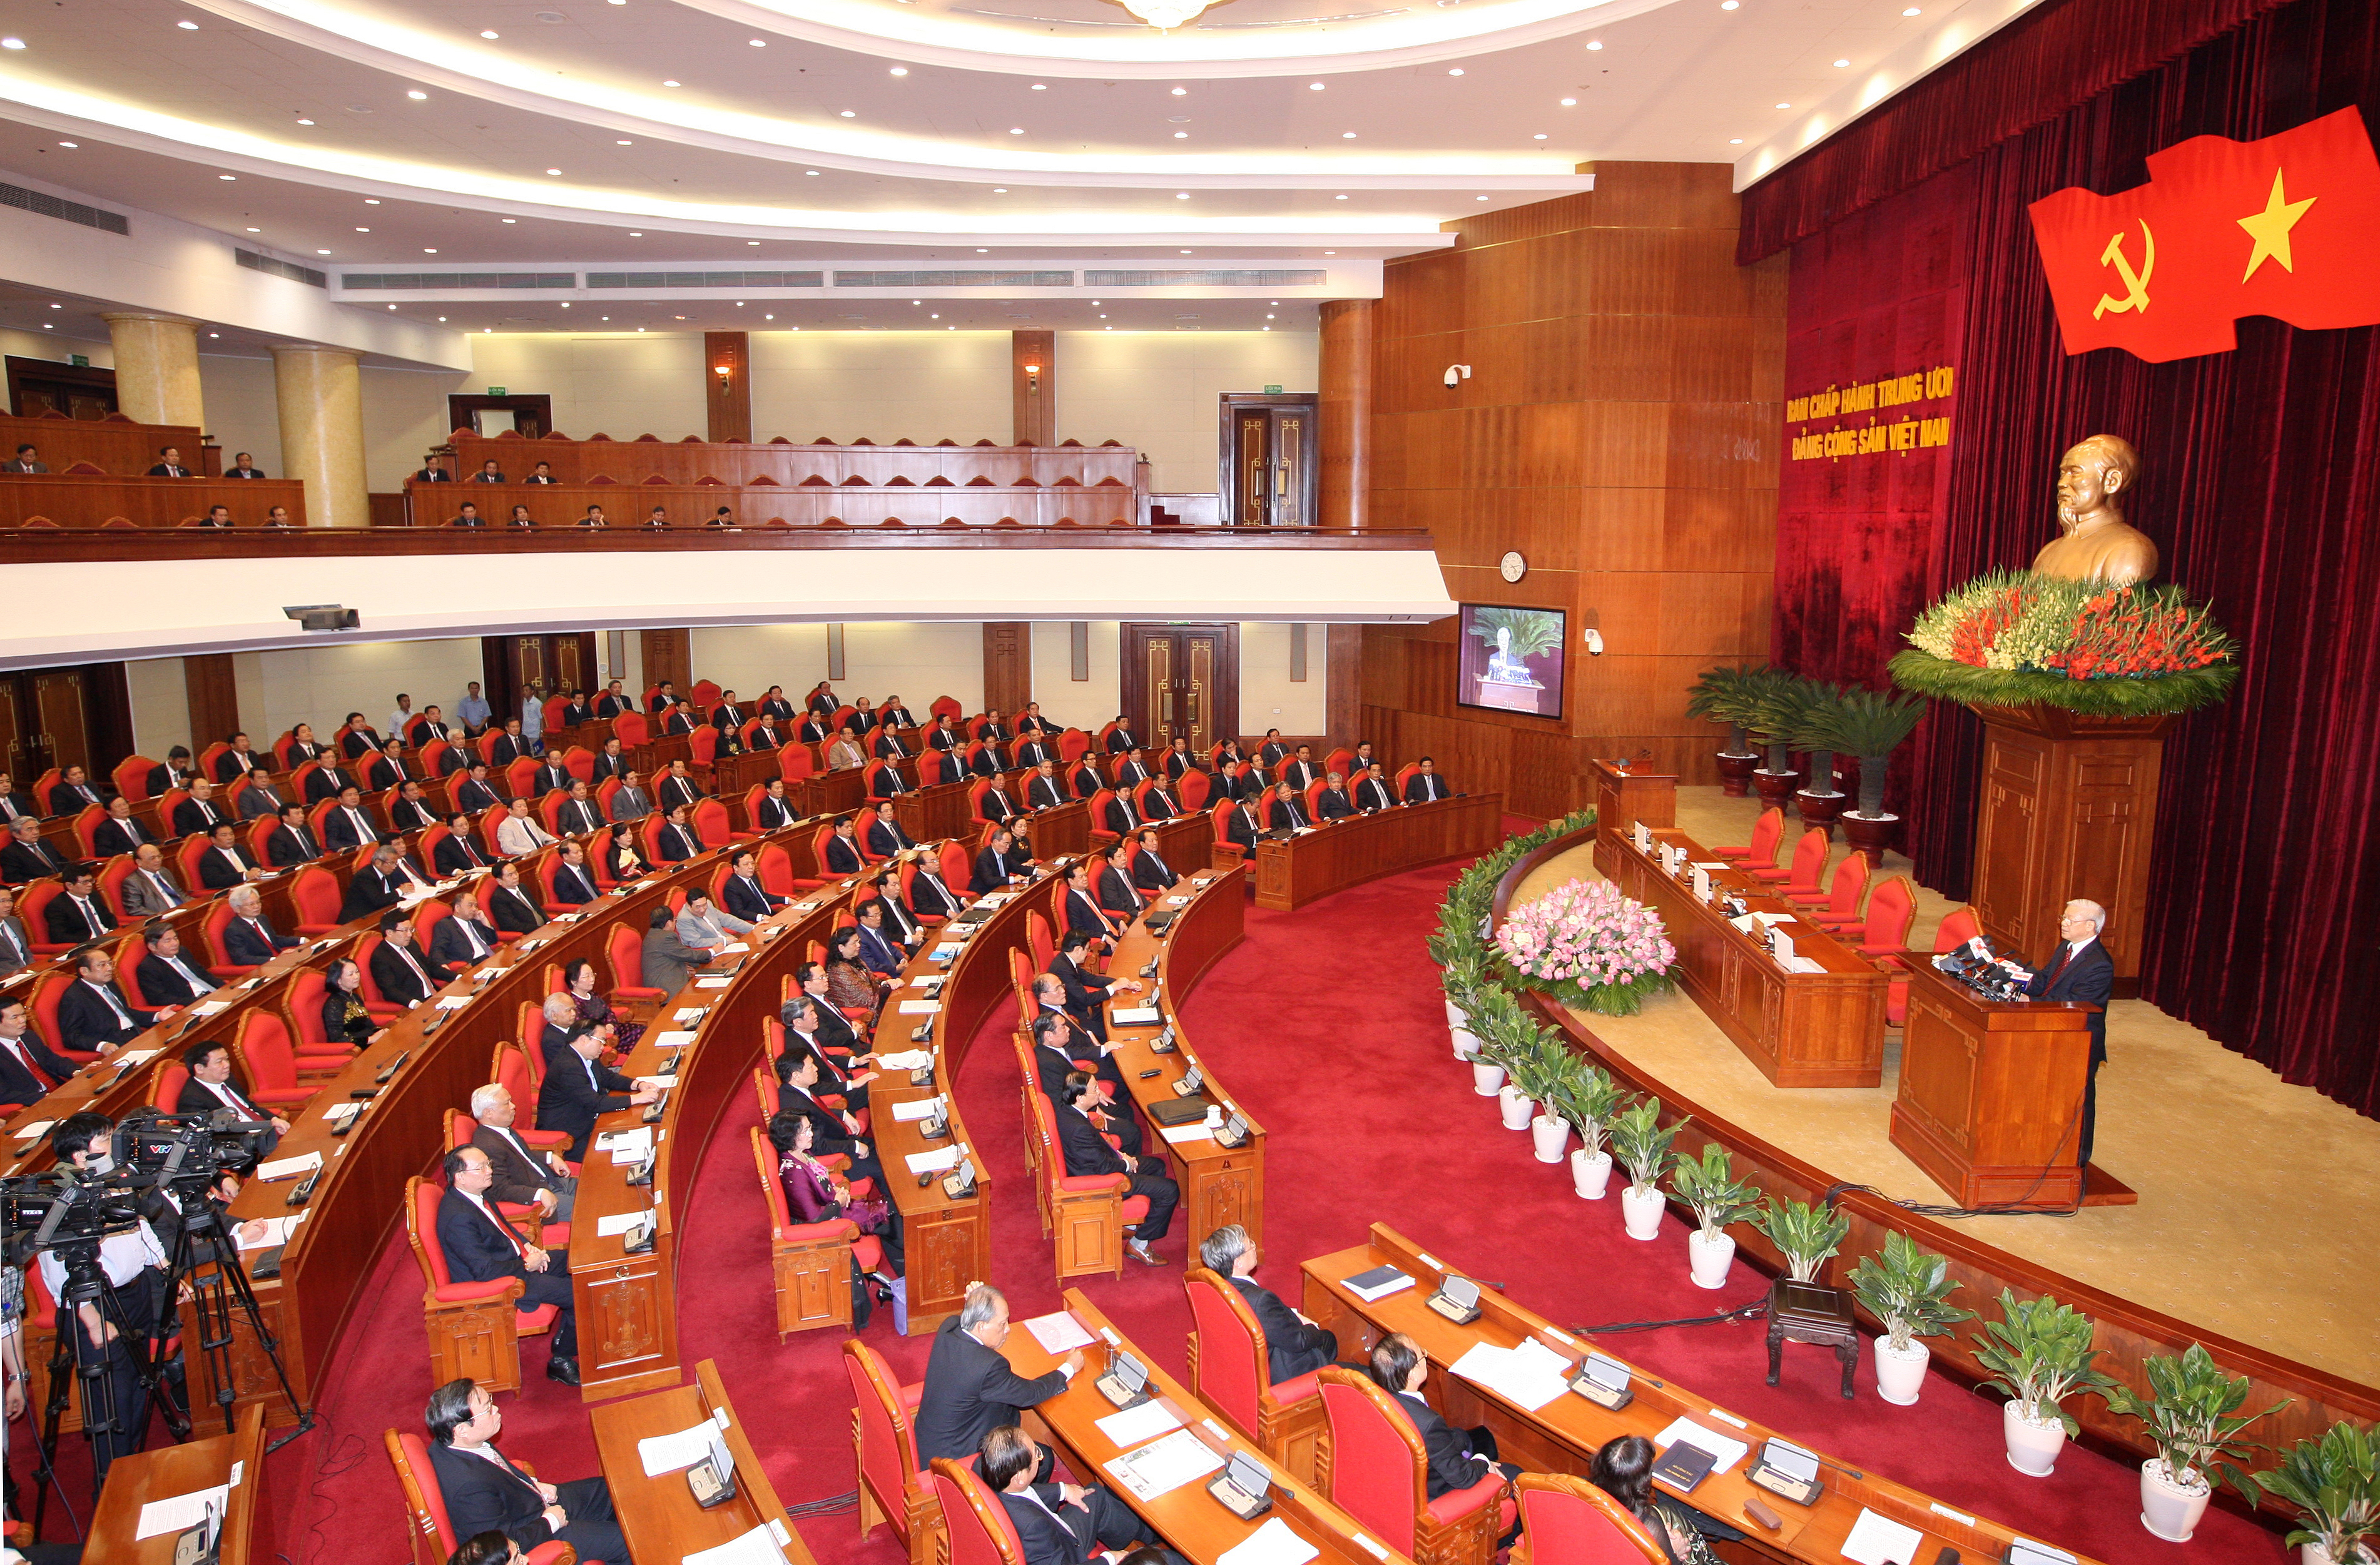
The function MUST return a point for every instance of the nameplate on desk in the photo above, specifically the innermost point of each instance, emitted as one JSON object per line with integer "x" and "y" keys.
{"x": 1644, "y": 838}
{"x": 1137, "y": 1016}
{"x": 289, "y": 1167}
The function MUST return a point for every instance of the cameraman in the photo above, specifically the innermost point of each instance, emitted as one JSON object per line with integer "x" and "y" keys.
{"x": 134, "y": 1263}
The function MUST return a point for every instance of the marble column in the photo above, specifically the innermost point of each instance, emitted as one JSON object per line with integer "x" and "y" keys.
{"x": 157, "y": 370}
{"x": 321, "y": 394}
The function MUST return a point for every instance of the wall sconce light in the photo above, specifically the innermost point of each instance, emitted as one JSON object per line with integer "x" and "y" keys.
{"x": 1457, "y": 373}
{"x": 1033, "y": 377}
{"x": 726, "y": 373}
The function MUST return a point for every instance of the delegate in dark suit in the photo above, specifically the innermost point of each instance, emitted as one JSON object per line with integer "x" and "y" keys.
{"x": 519, "y": 1175}
{"x": 217, "y": 873}
{"x": 252, "y": 942}
{"x": 484, "y": 1497}
{"x": 1452, "y": 1462}
{"x": 994, "y": 868}
{"x": 1151, "y": 873}
{"x": 289, "y": 845}
{"x": 1054, "y": 1532}
{"x": 2087, "y": 976}
{"x": 1088, "y": 1154}
{"x": 27, "y": 858}
{"x": 86, "y": 1020}
{"x": 476, "y": 1252}
{"x": 19, "y": 1087}
{"x": 113, "y": 836}
{"x": 402, "y": 982}
{"x": 196, "y": 1098}
{"x": 370, "y": 891}
{"x": 576, "y": 1090}
{"x": 516, "y": 909}
{"x": 1052, "y": 1066}
{"x": 455, "y": 854}
{"x": 750, "y": 899}
{"x": 71, "y": 922}
{"x": 969, "y": 1391}
{"x": 163, "y": 984}
{"x": 1291, "y": 1347}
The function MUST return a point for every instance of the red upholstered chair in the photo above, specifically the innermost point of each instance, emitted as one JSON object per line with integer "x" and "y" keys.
{"x": 1959, "y": 927}
{"x": 580, "y": 761}
{"x": 549, "y": 811}
{"x": 1374, "y": 1467}
{"x": 520, "y": 776}
{"x": 48, "y": 989}
{"x": 207, "y": 758}
{"x": 260, "y": 832}
{"x": 435, "y": 1539}
{"x": 1884, "y": 929}
{"x": 796, "y": 760}
{"x": 33, "y": 901}
{"x": 112, "y": 876}
{"x": 382, "y": 1008}
{"x": 131, "y": 777}
{"x": 557, "y": 707}
{"x": 489, "y": 819}
{"x": 975, "y": 1527}
{"x": 892, "y": 1487}
{"x": 1405, "y": 774}
{"x": 946, "y": 706}
{"x": 632, "y": 729}
{"x": 1839, "y": 903}
{"x": 1314, "y": 799}
{"x": 625, "y": 947}
{"x": 267, "y": 1063}
{"x": 1809, "y": 864}
{"x": 706, "y": 695}
{"x": 1039, "y": 944}
{"x": 426, "y": 913}
{"x": 471, "y": 1335}
{"x": 185, "y": 862}
{"x": 702, "y": 747}
{"x": 811, "y": 1261}
{"x": 432, "y": 758}
{"x": 302, "y": 1009}
{"x": 958, "y": 867}
{"x": 1957, "y": 930}
{"x": 1229, "y": 1372}
{"x": 165, "y": 1089}
{"x": 976, "y": 725}
{"x": 1087, "y": 1212}
{"x": 712, "y": 823}
{"x": 1767, "y": 833}
{"x": 460, "y": 1128}
{"x": 1567, "y": 1519}
{"x": 315, "y": 892}
{"x": 211, "y": 925}
{"x": 1226, "y": 850}
{"x": 511, "y": 1072}
{"x": 1339, "y": 760}
{"x": 86, "y": 828}
{"x": 1195, "y": 786}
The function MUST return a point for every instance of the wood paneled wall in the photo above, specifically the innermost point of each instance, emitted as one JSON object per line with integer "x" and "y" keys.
{"x": 1620, "y": 429}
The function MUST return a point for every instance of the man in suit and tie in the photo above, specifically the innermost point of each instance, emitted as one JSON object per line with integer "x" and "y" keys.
{"x": 678, "y": 787}
{"x": 1254, "y": 784}
{"x": 26, "y": 460}
{"x": 893, "y": 714}
{"x": 629, "y": 800}
{"x": 1227, "y": 781}
{"x": 578, "y": 1090}
{"x": 328, "y": 780}
{"x": 149, "y": 892}
{"x": 478, "y": 791}
{"x": 969, "y": 1388}
{"x": 227, "y": 862}
{"x": 1242, "y": 826}
{"x": 479, "y": 1246}
{"x": 1120, "y": 737}
{"x": 1084, "y": 779}
{"x": 237, "y": 760}
{"x": 360, "y": 736}
{"x": 550, "y": 776}
{"x": 935, "y": 901}
{"x": 71, "y": 792}
{"x": 1458, "y": 1458}
{"x": 401, "y": 971}
{"x": 1132, "y": 770}
{"x": 1302, "y": 773}
{"x": 1334, "y": 802}
{"x": 943, "y": 734}
{"x": 1179, "y": 761}
{"x": 843, "y": 851}
{"x": 512, "y": 902}
{"x": 1426, "y": 784}
{"x": 1081, "y": 908}
{"x": 578, "y": 815}
{"x": 811, "y": 729}
{"x": 574, "y": 883}
{"x": 174, "y": 771}
{"x": 999, "y": 865}
{"x": 431, "y": 724}
{"x": 411, "y": 812}
{"x": 16, "y": 945}
{"x": 1117, "y": 892}
{"x": 1286, "y": 810}
{"x": 345, "y": 825}
{"x": 458, "y": 851}
{"x": 1061, "y": 1523}
{"x": 888, "y": 747}
{"x": 728, "y": 715}
{"x": 1120, "y": 817}
{"x": 609, "y": 761}
{"x": 1046, "y": 790}
{"x": 29, "y": 1068}
{"x": 884, "y": 780}
{"x": 94, "y": 1016}
{"x": 1294, "y": 1345}
{"x": 376, "y": 887}
{"x": 1084, "y": 992}
{"x": 773, "y": 704}
{"x": 119, "y": 832}
{"x": 988, "y": 759}
{"x": 249, "y": 940}
{"x": 1272, "y": 751}
{"x": 1088, "y": 1155}
{"x": 2081, "y": 971}
{"x": 210, "y": 1088}
{"x": 466, "y": 938}
{"x": 677, "y": 840}
{"x": 524, "y": 1177}
{"x": 24, "y": 856}
{"x": 878, "y": 953}
{"x": 261, "y": 797}
{"x": 78, "y": 913}
{"x": 385, "y": 767}
{"x": 706, "y": 927}
{"x": 199, "y": 811}
{"x": 1160, "y": 802}
{"x": 747, "y": 898}
{"x": 1032, "y": 750}
{"x": 14, "y": 806}
{"x": 996, "y": 804}
{"x": 902, "y": 926}
{"x": 885, "y": 837}
{"x": 169, "y": 464}
{"x": 668, "y": 963}
{"x": 774, "y": 811}
{"x": 1150, "y": 873}
{"x": 679, "y": 720}
{"x": 766, "y": 735}
{"x": 803, "y": 1084}
{"x": 1372, "y": 793}
{"x": 612, "y": 701}
{"x": 509, "y": 745}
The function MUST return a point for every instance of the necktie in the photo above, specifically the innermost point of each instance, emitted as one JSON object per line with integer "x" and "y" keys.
{"x": 519, "y": 1249}
{"x": 410, "y": 962}
{"x": 114, "y": 1004}
{"x": 9, "y": 943}
{"x": 25, "y": 1058}
{"x": 173, "y": 898}
{"x": 89, "y": 916}
{"x": 261, "y": 934}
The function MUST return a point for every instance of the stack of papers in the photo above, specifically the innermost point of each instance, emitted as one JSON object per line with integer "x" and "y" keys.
{"x": 691, "y": 1014}
{"x": 1197, "y": 1130}
{"x": 1137, "y": 1016}
{"x": 1874, "y": 1539}
{"x": 712, "y": 983}
{"x": 276, "y": 1232}
{"x": 942, "y": 1161}
{"x": 1725, "y": 1454}
{"x": 669, "y": 1040}
{"x": 672, "y": 1454}
{"x": 39, "y": 1127}
{"x": 210, "y": 1008}
{"x": 452, "y": 1002}
{"x": 626, "y": 1146}
{"x": 1803, "y": 964}
{"x": 288, "y": 1168}
{"x": 1162, "y": 1466}
{"x": 920, "y": 1007}
{"x": 182, "y": 1511}
{"x": 623, "y": 1222}
{"x": 922, "y": 1109}
{"x": 1133, "y": 1425}
{"x": 1058, "y": 1333}
{"x": 342, "y": 1111}
{"x": 908, "y": 1060}
{"x": 1528, "y": 1377}
{"x": 761, "y": 1545}
{"x": 1272, "y": 1544}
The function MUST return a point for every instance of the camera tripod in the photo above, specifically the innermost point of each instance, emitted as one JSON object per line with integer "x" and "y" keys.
{"x": 206, "y": 1263}
{"x": 103, "y": 1421}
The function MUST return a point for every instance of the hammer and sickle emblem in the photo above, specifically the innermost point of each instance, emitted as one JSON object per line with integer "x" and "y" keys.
{"x": 2136, "y": 285}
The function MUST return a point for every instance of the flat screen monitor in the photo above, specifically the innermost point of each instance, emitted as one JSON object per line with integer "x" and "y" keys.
{"x": 1511, "y": 660}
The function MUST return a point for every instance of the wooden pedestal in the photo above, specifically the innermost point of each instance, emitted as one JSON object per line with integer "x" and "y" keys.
{"x": 2067, "y": 810}
{"x": 1622, "y": 798}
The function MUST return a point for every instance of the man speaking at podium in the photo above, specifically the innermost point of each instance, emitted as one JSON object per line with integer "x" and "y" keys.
{"x": 2080, "y": 970}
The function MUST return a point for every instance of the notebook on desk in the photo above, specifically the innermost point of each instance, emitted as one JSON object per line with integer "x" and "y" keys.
{"x": 1177, "y": 1111}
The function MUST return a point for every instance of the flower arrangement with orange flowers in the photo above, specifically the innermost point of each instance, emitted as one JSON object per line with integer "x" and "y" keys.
{"x": 2013, "y": 638}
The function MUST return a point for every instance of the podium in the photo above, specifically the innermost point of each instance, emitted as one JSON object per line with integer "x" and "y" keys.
{"x": 1990, "y": 1103}
{"x": 1622, "y": 798}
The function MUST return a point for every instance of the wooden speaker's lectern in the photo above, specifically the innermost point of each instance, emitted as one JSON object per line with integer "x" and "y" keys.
{"x": 1622, "y": 798}
{"x": 1991, "y": 1092}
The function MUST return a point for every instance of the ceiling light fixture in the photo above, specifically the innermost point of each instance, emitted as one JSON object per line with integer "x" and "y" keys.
{"x": 1727, "y": 4}
{"x": 1911, "y": 12}
{"x": 70, "y": 146}
{"x": 363, "y": 230}
{"x": 1346, "y": 135}
{"x": 849, "y": 114}
{"x": 1181, "y": 195}
{"x": 227, "y": 176}
{"x": 1000, "y": 189}
{"x": 623, "y": 142}
{"x": 1338, "y": 198}
{"x": 1180, "y": 136}
{"x": 1314, "y": 87}
{"x": 1478, "y": 198}
{"x": 488, "y": 33}
{"x": 751, "y": 241}
{"x": 811, "y": 172}
{"x": 1784, "y": 105}
{"x": 256, "y": 230}
{"x": 321, "y": 252}
{"x": 1016, "y": 130}
{"x": 188, "y": 27}
{"x": 427, "y": 252}
{"x": 371, "y": 201}
{"x": 1595, "y": 42}
{"x": 665, "y": 83}
{"x": 555, "y": 171}
{"x": 417, "y": 94}
{"x": 1735, "y": 141}
{"x": 1570, "y": 102}
{"x": 1841, "y": 64}
{"x": 305, "y": 122}
{"x": 509, "y": 220}
{"x": 899, "y": 71}
{"x": 1040, "y": 87}
{"x": 1182, "y": 92}
{"x": 757, "y": 42}
{"x": 633, "y": 233}
{"x": 1455, "y": 71}
{"x": 11, "y": 43}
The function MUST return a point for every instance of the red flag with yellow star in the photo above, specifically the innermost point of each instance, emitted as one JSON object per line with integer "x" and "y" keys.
{"x": 2287, "y": 227}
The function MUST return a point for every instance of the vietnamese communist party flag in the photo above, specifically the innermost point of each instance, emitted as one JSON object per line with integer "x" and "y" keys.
{"x": 2287, "y": 227}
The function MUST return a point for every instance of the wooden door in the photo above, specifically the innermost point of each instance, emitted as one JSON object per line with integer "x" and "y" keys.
{"x": 61, "y": 701}
{"x": 558, "y": 662}
{"x": 63, "y": 717}
{"x": 16, "y": 743}
{"x": 1269, "y": 449}
{"x": 1182, "y": 679}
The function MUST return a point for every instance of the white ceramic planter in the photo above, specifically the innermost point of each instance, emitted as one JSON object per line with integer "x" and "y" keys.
{"x": 1550, "y": 1135}
{"x": 2315, "y": 1554}
{"x": 2032, "y": 1448}
{"x": 2168, "y": 1510}
{"x": 1640, "y": 1209}
{"x": 1485, "y": 1079}
{"x": 1518, "y": 1111}
{"x": 1590, "y": 1175}
{"x": 1898, "y": 1376}
{"x": 1708, "y": 1256}
{"x": 1466, "y": 1043}
{"x": 1454, "y": 1016}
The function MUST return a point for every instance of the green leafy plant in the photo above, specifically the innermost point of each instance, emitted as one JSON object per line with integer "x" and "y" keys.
{"x": 1642, "y": 1145}
{"x": 1536, "y": 1063}
{"x": 2040, "y": 1354}
{"x": 1587, "y": 1098}
{"x": 1871, "y": 726}
{"x": 2335, "y": 1484}
{"x": 2193, "y": 1413}
{"x": 1813, "y": 733}
{"x": 2016, "y": 638}
{"x": 1806, "y": 1234}
{"x": 1708, "y": 1185}
{"x": 1779, "y": 708}
{"x": 1726, "y": 694}
{"x": 1532, "y": 631}
{"x": 1909, "y": 1289}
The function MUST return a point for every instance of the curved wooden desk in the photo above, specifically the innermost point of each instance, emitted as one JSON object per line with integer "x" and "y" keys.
{"x": 1332, "y": 856}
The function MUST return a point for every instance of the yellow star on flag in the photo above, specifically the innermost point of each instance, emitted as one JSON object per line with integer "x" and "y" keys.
{"x": 2270, "y": 228}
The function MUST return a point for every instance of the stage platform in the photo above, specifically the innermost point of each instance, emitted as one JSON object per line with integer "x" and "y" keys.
{"x": 2252, "y": 1219}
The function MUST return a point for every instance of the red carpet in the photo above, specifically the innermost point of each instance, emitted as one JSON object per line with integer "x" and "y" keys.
{"x": 1326, "y": 1022}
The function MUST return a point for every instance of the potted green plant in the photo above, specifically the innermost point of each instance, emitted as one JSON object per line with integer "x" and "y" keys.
{"x": 1641, "y": 1145}
{"x": 1819, "y": 801}
{"x": 1536, "y": 1068}
{"x": 1491, "y": 1008}
{"x": 1708, "y": 1185}
{"x": 2193, "y": 1419}
{"x": 2335, "y": 1484}
{"x": 1774, "y": 702}
{"x": 1909, "y": 1290}
{"x": 2040, "y": 1354}
{"x": 1459, "y": 979}
{"x": 1806, "y": 1235}
{"x": 1588, "y": 1098}
{"x": 1724, "y": 695}
{"x": 1871, "y": 726}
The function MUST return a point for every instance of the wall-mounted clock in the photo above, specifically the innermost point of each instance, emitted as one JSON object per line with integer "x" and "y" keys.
{"x": 1512, "y": 566}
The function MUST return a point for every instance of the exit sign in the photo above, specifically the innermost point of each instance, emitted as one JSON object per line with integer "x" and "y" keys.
{"x": 1272, "y": 391}
{"x": 495, "y": 391}
{"x": 78, "y": 360}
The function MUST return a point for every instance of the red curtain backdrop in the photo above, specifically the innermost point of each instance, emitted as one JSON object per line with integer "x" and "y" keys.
{"x": 2261, "y": 488}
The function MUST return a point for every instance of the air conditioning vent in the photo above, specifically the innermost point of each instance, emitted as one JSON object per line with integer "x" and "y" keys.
{"x": 953, "y": 279}
{"x": 41, "y": 205}
{"x": 706, "y": 280}
{"x": 1205, "y": 279}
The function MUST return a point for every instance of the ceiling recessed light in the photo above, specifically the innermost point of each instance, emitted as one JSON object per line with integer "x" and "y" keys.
{"x": 1314, "y": 87}
{"x": 1000, "y": 189}
{"x": 565, "y": 304}
{"x": 1185, "y": 252}
{"x": 1040, "y": 87}
{"x": 1784, "y": 105}
{"x": 1540, "y": 135}
{"x": 305, "y": 122}
{"x": 1329, "y": 252}
{"x": 442, "y": 318}
{"x": 980, "y": 250}
{"x": 1016, "y": 130}
{"x": 751, "y": 241}
{"x": 1338, "y": 198}
{"x": 665, "y": 83}
{"x": 70, "y": 145}
{"x": 757, "y": 42}
{"x": 849, "y": 114}
{"x": 554, "y": 171}
{"x": 392, "y": 306}
{"x": 256, "y": 230}
{"x": 633, "y": 233}
{"x": 1180, "y": 136}
{"x": 1478, "y": 198}
{"x": 321, "y": 252}
{"x": 227, "y": 176}
{"x": 1595, "y": 42}
{"x": 1181, "y": 195}
{"x": 1911, "y": 12}
{"x": 1841, "y": 64}
{"x": 899, "y": 71}
{"x": 488, "y": 33}
{"x": 624, "y": 141}
{"x": 188, "y": 27}
{"x": 58, "y": 306}
{"x": 417, "y": 94}
{"x": 1735, "y": 141}
{"x": 1347, "y": 135}
{"x": 1182, "y": 92}
{"x": 428, "y": 251}
{"x": 767, "y": 317}
{"x": 371, "y": 201}
{"x": 363, "y": 230}
{"x": 11, "y": 43}
{"x": 48, "y": 327}
{"x": 509, "y": 220}
{"x": 1570, "y": 102}
{"x": 1727, "y": 4}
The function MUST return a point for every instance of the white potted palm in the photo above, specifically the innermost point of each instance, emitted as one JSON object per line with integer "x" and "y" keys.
{"x": 1643, "y": 1149}
{"x": 2194, "y": 1418}
{"x": 1708, "y": 1185}
{"x": 2335, "y": 1484}
{"x": 1490, "y": 1008}
{"x": 1588, "y": 1098}
{"x": 1909, "y": 1290}
{"x": 1538, "y": 1070}
{"x": 2039, "y": 1354}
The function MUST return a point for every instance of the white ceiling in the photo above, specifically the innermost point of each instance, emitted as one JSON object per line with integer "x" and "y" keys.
{"x": 827, "y": 129}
